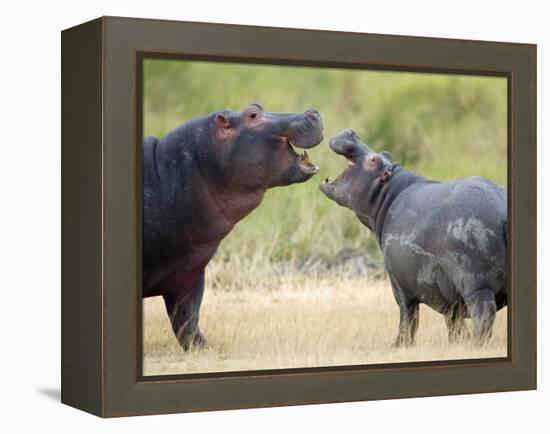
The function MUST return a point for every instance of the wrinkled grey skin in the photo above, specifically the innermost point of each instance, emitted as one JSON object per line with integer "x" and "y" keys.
{"x": 444, "y": 243}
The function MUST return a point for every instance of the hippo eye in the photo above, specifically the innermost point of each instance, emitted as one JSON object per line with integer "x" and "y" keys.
{"x": 253, "y": 115}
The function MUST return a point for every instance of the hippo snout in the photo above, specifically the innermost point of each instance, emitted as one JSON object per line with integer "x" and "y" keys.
{"x": 308, "y": 130}
{"x": 347, "y": 143}
{"x": 313, "y": 114}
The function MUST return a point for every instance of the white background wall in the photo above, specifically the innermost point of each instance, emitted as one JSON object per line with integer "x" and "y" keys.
{"x": 30, "y": 214}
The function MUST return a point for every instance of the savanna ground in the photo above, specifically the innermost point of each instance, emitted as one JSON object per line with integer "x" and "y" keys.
{"x": 293, "y": 320}
{"x": 441, "y": 126}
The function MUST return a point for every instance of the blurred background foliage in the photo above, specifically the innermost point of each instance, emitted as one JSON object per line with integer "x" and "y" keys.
{"x": 443, "y": 127}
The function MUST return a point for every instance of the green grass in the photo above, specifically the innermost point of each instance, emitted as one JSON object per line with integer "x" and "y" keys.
{"x": 441, "y": 126}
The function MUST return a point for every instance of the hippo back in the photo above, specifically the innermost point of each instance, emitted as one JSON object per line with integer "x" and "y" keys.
{"x": 444, "y": 239}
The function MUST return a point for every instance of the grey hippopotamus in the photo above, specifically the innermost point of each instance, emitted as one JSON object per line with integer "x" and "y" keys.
{"x": 444, "y": 243}
{"x": 198, "y": 182}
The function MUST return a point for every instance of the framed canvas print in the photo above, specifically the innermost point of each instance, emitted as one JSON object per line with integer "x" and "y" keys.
{"x": 258, "y": 216}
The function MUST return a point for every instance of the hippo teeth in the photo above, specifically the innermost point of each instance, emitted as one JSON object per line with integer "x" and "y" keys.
{"x": 303, "y": 160}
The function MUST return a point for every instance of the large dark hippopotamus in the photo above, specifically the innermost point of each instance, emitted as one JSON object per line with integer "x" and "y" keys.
{"x": 444, "y": 243}
{"x": 198, "y": 182}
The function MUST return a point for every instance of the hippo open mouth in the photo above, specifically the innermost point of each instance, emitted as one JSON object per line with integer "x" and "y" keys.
{"x": 345, "y": 143}
{"x": 303, "y": 131}
{"x": 335, "y": 189}
{"x": 347, "y": 169}
{"x": 305, "y": 164}
{"x": 327, "y": 183}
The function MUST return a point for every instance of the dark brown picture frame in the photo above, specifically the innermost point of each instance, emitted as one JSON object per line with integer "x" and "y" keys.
{"x": 101, "y": 227}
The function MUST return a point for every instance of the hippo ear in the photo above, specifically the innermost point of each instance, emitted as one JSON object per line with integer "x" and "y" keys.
{"x": 387, "y": 156}
{"x": 385, "y": 176}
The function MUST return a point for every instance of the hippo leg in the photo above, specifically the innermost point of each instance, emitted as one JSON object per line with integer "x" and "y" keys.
{"x": 183, "y": 310}
{"x": 482, "y": 309}
{"x": 408, "y": 318}
{"x": 455, "y": 320}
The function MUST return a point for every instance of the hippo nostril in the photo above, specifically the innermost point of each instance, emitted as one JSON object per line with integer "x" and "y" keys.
{"x": 352, "y": 133}
{"x": 313, "y": 113}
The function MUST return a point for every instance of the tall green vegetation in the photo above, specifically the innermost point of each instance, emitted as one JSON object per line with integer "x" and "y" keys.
{"x": 441, "y": 126}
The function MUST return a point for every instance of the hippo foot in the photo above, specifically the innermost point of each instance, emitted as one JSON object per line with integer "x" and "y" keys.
{"x": 402, "y": 342}
{"x": 482, "y": 307}
{"x": 460, "y": 335}
{"x": 195, "y": 340}
{"x": 481, "y": 338}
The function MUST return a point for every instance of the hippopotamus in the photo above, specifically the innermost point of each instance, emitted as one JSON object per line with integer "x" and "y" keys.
{"x": 444, "y": 243}
{"x": 198, "y": 182}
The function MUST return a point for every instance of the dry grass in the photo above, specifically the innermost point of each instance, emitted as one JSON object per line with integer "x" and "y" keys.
{"x": 256, "y": 319}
